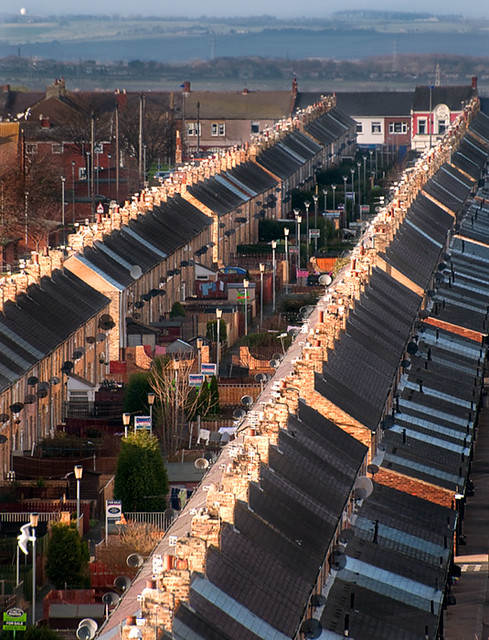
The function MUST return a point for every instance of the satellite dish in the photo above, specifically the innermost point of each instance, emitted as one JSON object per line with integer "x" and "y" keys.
{"x": 339, "y": 561}
{"x": 325, "y": 280}
{"x": 3, "y": 439}
{"x": 412, "y": 347}
{"x": 277, "y": 356}
{"x": 424, "y": 313}
{"x": 311, "y": 628}
{"x": 318, "y": 600}
{"x": 346, "y": 535}
{"x": 134, "y": 560}
{"x": 274, "y": 363}
{"x": 135, "y": 272}
{"x": 32, "y": 380}
{"x": 442, "y": 266}
{"x": 67, "y": 366}
{"x": 362, "y": 488}
{"x": 4, "y": 417}
{"x": 87, "y": 628}
{"x": 42, "y": 393}
{"x": 372, "y": 468}
{"x": 201, "y": 463}
{"x": 78, "y": 353}
{"x": 247, "y": 401}
{"x": 100, "y": 337}
{"x": 106, "y": 322}
{"x": 439, "y": 277}
{"x": 91, "y": 339}
{"x": 207, "y": 455}
{"x": 29, "y": 399}
{"x": 16, "y": 407}
{"x": 110, "y": 598}
{"x": 43, "y": 386}
{"x": 261, "y": 377}
{"x": 122, "y": 583}
{"x": 237, "y": 414}
{"x": 388, "y": 422}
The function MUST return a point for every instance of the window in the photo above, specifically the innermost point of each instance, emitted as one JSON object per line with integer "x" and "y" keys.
{"x": 376, "y": 127}
{"x": 255, "y": 127}
{"x": 422, "y": 126}
{"x": 31, "y": 148}
{"x": 218, "y": 129}
{"x": 82, "y": 173}
{"x": 442, "y": 126}
{"x": 359, "y": 127}
{"x": 192, "y": 129}
{"x": 397, "y": 127}
{"x": 56, "y": 148}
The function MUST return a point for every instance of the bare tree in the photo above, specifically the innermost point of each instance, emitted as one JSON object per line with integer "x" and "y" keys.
{"x": 29, "y": 195}
{"x": 177, "y": 403}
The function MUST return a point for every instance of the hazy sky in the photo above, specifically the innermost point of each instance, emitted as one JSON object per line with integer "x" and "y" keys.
{"x": 285, "y": 8}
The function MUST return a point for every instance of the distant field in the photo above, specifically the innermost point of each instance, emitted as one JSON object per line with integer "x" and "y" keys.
{"x": 69, "y": 30}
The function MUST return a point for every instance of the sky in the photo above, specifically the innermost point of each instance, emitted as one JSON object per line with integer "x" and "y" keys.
{"x": 283, "y": 8}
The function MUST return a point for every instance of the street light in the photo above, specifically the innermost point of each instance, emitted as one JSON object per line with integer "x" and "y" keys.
{"x": 299, "y": 220}
{"x": 78, "y": 476}
{"x": 109, "y": 158}
{"x": 352, "y": 171}
{"x": 274, "y": 266}
{"x": 307, "y": 204}
{"x": 33, "y": 520}
{"x": 333, "y": 186}
{"x": 151, "y": 401}
{"x": 126, "y": 421}
{"x": 315, "y": 197}
{"x": 246, "y": 284}
{"x": 325, "y": 194}
{"x": 359, "y": 164}
{"x": 63, "y": 180}
{"x": 262, "y": 269}
{"x": 73, "y": 189}
{"x": 218, "y": 318}
{"x": 286, "y": 235}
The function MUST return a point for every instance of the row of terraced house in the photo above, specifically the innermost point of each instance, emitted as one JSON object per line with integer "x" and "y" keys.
{"x": 338, "y": 507}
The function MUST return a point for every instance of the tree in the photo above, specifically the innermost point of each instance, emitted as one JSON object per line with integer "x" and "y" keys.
{"x": 176, "y": 402}
{"x": 214, "y": 407}
{"x": 177, "y": 310}
{"x": 67, "y": 558}
{"x": 141, "y": 481}
{"x": 29, "y": 197}
{"x": 136, "y": 393}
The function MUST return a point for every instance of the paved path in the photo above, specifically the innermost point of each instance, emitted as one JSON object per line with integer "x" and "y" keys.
{"x": 469, "y": 618}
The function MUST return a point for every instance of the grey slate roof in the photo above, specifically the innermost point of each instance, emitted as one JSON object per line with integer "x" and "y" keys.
{"x": 375, "y": 103}
{"x": 452, "y": 96}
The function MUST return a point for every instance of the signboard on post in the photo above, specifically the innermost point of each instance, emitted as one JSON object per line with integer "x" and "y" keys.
{"x": 113, "y": 513}
{"x": 314, "y": 233}
{"x": 195, "y": 379}
{"x": 100, "y": 208}
{"x": 208, "y": 368}
{"x": 142, "y": 422}
{"x": 14, "y": 620}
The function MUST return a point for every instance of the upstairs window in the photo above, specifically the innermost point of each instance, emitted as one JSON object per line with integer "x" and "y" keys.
{"x": 422, "y": 126}
{"x": 192, "y": 129}
{"x": 218, "y": 129}
{"x": 376, "y": 127}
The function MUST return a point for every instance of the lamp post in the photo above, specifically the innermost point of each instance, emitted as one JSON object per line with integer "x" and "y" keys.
{"x": 307, "y": 204}
{"x": 33, "y": 520}
{"x": 109, "y": 158}
{"x": 299, "y": 220}
{"x": 359, "y": 164}
{"x": 262, "y": 269}
{"x": 333, "y": 186}
{"x": 73, "y": 190}
{"x": 286, "y": 235}
{"x": 200, "y": 342}
{"x": 274, "y": 268}
{"x": 218, "y": 318}
{"x": 325, "y": 194}
{"x": 63, "y": 180}
{"x": 151, "y": 401}
{"x": 126, "y": 421}
{"x": 246, "y": 284}
{"x": 370, "y": 152}
{"x": 352, "y": 172}
{"x": 78, "y": 476}
{"x": 364, "y": 178}
{"x": 345, "y": 178}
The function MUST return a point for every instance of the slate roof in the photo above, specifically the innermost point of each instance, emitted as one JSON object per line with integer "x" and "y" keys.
{"x": 41, "y": 319}
{"x": 480, "y": 126}
{"x": 239, "y": 105}
{"x": 330, "y": 126}
{"x": 252, "y": 177}
{"x": 452, "y": 96}
{"x": 146, "y": 241}
{"x": 360, "y": 371}
{"x": 398, "y": 546}
{"x": 267, "y": 563}
{"x": 217, "y": 195}
{"x": 375, "y": 103}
